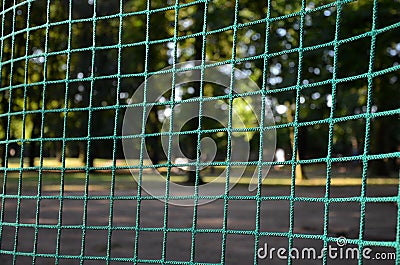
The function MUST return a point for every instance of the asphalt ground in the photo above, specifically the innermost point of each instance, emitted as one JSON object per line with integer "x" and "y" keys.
{"x": 344, "y": 221}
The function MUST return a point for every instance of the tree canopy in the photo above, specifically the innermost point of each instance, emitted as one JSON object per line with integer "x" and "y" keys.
{"x": 59, "y": 58}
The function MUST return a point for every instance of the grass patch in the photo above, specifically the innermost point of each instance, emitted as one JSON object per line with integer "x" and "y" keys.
{"x": 74, "y": 180}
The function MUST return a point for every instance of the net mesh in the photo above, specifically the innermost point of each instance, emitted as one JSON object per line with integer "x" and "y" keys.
{"x": 55, "y": 55}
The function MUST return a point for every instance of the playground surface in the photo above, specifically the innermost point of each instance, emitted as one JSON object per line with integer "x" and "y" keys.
{"x": 344, "y": 220}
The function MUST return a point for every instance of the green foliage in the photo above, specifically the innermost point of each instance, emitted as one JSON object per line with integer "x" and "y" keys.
{"x": 119, "y": 59}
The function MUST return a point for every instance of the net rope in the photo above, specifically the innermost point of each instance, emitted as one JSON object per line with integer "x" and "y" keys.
{"x": 11, "y": 114}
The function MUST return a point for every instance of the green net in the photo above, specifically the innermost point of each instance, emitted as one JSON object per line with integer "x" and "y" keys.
{"x": 328, "y": 69}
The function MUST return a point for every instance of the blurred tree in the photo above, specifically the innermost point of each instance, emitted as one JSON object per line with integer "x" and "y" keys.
{"x": 29, "y": 71}
{"x": 283, "y": 72}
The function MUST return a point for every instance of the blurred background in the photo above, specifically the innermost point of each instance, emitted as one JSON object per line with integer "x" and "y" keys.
{"x": 99, "y": 63}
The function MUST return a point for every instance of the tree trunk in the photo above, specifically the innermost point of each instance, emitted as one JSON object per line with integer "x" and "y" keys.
{"x": 83, "y": 154}
{"x": 194, "y": 123}
{"x": 4, "y": 108}
{"x": 384, "y": 130}
{"x": 3, "y": 155}
{"x": 59, "y": 151}
{"x": 299, "y": 173}
{"x": 32, "y": 153}
{"x": 32, "y": 147}
{"x": 33, "y": 144}
{"x": 4, "y": 127}
{"x": 153, "y": 143}
{"x": 380, "y": 144}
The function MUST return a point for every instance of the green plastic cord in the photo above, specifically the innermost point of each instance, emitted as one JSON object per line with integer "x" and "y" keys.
{"x": 10, "y": 88}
